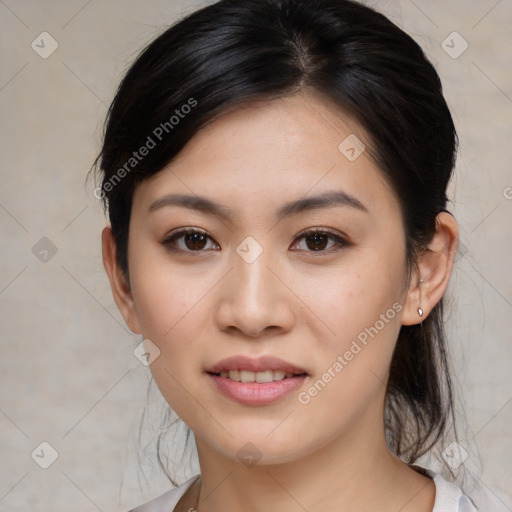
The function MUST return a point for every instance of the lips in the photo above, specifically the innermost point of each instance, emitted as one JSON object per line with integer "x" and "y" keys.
{"x": 256, "y": 394}
{"x": 259, "y": 364}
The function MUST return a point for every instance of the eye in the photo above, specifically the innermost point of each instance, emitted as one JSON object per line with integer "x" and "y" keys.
{"x": 317, "y": 240}
{"x": 187, "y": 240}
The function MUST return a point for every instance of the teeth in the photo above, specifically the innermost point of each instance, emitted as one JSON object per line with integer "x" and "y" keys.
{"x": 233, "y": 375}
{"x": 260, "y": 377}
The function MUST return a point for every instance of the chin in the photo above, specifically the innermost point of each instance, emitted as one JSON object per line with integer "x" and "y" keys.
{"x": 250, "y": 446}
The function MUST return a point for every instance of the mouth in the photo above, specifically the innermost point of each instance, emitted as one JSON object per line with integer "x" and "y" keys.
{"x": 255, "y": 382}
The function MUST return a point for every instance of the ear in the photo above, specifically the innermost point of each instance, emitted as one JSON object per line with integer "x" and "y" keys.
{"x": 120, "y": 288}
{"x": 434, "y": 269}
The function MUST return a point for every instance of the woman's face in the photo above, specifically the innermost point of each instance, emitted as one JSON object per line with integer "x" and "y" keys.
{"x": 254, "y": 285}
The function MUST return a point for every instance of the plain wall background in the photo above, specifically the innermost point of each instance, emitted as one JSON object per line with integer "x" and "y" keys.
{"x": 67, "y": 370}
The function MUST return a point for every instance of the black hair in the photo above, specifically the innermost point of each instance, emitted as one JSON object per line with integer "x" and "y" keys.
{"x": 234, "y": 52}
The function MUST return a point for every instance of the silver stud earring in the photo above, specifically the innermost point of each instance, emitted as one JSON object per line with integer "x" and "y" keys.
{"x": 420, "y": 311}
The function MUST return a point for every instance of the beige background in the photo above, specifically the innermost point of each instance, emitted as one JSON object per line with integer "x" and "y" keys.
{"x": 68, "y": 374}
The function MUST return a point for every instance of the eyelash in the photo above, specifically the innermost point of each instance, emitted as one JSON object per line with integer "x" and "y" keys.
{"x": 340, "y": 241}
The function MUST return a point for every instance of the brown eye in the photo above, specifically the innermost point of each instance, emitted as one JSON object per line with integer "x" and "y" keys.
{"x": 189, "y": 240}
{"x": 321, "y": 241}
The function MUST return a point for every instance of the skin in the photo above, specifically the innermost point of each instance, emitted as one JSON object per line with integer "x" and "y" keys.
{"x": 302, "y": 305}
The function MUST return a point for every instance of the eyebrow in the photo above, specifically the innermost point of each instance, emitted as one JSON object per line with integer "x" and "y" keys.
{"x": 203, "y": 204}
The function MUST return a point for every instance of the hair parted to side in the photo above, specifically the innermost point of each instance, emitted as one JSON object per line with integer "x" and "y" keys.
{"x": 238, "y": 51}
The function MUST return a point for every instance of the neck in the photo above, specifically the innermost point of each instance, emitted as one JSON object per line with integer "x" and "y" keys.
{"x": 355, "y": 471}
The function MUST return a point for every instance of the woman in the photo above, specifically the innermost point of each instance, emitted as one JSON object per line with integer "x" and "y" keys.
{"x": 275, "y": 175}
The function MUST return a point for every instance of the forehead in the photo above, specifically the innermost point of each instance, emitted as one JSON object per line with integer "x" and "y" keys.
{"x": 270, "y": 152}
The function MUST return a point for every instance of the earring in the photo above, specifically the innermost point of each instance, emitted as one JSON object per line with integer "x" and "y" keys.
{"x": 420, "y": 311}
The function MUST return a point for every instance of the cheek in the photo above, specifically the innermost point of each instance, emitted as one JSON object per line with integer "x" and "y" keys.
{"x": 166, "y": 296}
{"x": 172, "y": 316}
{"x": 353, "y": 363}
{"x": 361, "y": 308}
{"x": 350, "y": 300}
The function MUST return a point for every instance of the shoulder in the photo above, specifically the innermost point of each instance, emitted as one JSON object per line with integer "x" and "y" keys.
{"x": 449, "y": 497}
{"x": 167, "y": 501}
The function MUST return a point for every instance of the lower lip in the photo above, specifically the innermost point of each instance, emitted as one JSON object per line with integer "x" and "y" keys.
{"x": 254, "y": 393}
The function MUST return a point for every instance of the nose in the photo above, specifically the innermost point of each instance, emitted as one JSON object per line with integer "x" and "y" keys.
{"x": 254, "y": 300}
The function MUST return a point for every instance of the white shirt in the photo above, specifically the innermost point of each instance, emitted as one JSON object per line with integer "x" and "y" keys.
{"x": 449, "y": 497}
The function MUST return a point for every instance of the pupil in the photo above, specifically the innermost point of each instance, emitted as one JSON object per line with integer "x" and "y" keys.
{"x": 195, "y": 240}
{"x": 318, "y": 241}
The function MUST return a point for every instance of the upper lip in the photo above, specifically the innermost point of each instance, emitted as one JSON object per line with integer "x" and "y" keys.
{"x": 259, "y": 364}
